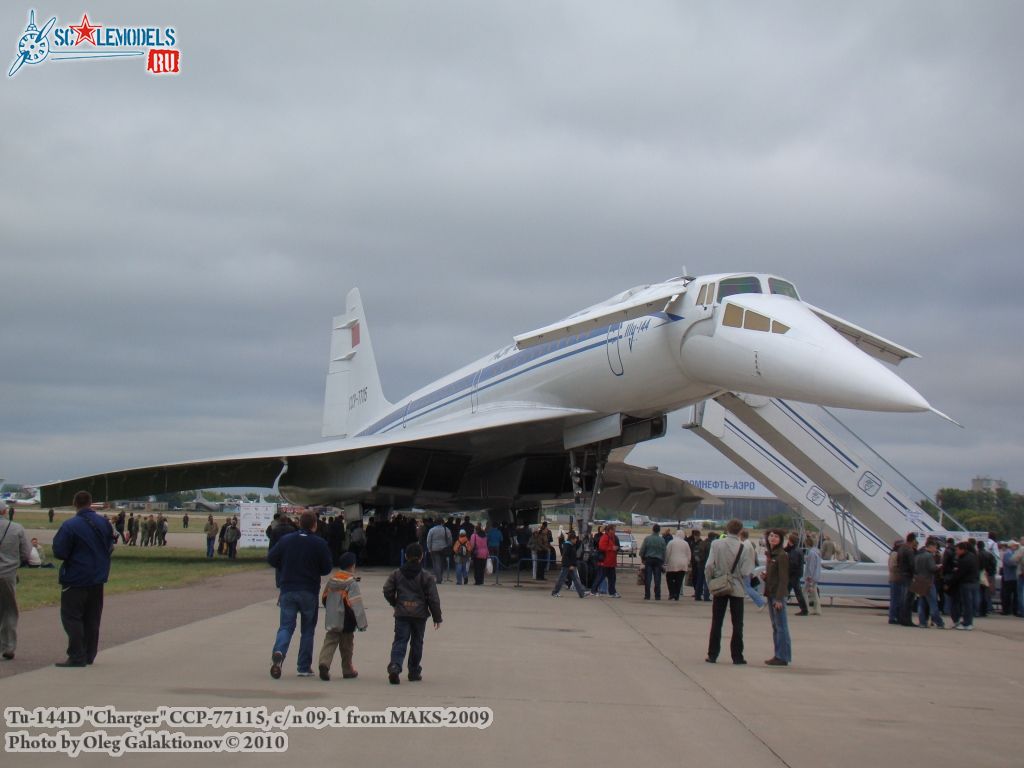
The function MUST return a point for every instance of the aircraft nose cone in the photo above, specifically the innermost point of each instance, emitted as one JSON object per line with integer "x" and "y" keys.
{"x": 858, "y": 381}
{"x": 810, "y": 363}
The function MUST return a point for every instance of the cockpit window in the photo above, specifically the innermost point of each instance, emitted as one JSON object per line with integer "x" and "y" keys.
{"x": 755, "y": 322}
{"x": 782, "y": 288}
{"x": 734, "y": 285}
{"x": 702, "y": 294}
{"x": 733, "y": 316}
{"x": 737, "y": 317}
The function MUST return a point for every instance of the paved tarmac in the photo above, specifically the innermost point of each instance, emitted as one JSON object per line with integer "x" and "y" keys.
{"x": 597, "y": 683}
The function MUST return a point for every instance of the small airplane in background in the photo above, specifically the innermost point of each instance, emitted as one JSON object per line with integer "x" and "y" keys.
{"x": 24, "y": 497}
{"x": 539, "y": 418}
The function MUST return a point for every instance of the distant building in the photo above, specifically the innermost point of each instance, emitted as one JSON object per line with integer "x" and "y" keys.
{"x": 745, "y": 499}
{"x": 988, "y": 484}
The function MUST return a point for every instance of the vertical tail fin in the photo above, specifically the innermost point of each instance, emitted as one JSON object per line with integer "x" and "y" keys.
{"x": 353, "y": 397}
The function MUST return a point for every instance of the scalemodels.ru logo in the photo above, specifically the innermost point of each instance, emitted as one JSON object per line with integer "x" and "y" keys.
{"x": 89, "y": 40}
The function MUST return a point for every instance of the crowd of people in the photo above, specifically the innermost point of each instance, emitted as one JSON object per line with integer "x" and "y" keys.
{"x": 144, "y": 530}
{"x": 938, "y": 578}
{"x": 953, "y": 578}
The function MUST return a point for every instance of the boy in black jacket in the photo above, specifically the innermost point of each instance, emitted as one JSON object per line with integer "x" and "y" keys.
{"x": 413, "y": 594}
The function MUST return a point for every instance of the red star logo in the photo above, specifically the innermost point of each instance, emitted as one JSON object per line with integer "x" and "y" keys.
{"x": 86, "y": 32}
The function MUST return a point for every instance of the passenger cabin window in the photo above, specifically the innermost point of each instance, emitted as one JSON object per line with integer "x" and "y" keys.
{"x": 735, "y": 285}
{"x": 703, "y": 293}
{"x": 782, "y": 288}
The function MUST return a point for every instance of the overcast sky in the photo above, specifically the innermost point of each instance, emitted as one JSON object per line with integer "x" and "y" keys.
{"x": 174, "y": 247}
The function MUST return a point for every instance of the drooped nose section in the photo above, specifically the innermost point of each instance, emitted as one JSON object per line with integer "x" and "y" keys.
{"x": 775, "y": 346}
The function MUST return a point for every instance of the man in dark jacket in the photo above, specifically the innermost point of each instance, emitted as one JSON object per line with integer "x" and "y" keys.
{"x": 795, "y": 558}
{"x": 947, "y": 569}
{"x": 570, "y": 562}
{"x": 926, "y": 567}
{"x": 84, "y": 543}
{"x": 696, "y": 564}
{"x": 412, "y": 592}
{"x": 301, "y": 558}
{"x": 652, "y": 555}
{"x": 988, "y": 565}
{"x": 964, "y": 586}
{"x": 905, "y": 571}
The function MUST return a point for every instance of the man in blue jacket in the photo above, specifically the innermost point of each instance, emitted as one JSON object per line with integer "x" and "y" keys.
{"x": 84, "y": 543}
{"x": 301, "y": 558}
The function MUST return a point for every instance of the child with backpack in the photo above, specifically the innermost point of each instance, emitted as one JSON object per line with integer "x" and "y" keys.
{"x": 462, "y": 554}
{"x": 344, "y": 614}
{"x": 413, "y": 594}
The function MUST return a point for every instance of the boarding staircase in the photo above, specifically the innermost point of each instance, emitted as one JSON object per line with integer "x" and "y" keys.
{"x": 816, "y": 465}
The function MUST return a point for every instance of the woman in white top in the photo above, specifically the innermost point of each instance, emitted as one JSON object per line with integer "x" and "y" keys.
{"x": 677, "y": 563}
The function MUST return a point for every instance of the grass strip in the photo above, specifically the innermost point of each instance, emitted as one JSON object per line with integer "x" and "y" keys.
{"x": 136, "y": 569}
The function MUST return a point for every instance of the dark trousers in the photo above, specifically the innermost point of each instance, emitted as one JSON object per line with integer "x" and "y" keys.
{"x": 698, "y": 583}
{"x": 408, "y": 632}
{"x": 609, "y": 575}
{"x": 963, "y": 604}
{"x": 80, "y": 612}
{"x": 652, "y": 572}
{"x": 542, "y": 565}
{"x": 906, "y": 608}
{"x": 794, "y": 586}
{"x": 479, "y": 570}
{"x": 568, "y": 578}
{"x": 718, "y": 608}
{"x": 986, "y": 601}
{"x": 674, "y": 579}
{"x": 1009, "y": 597}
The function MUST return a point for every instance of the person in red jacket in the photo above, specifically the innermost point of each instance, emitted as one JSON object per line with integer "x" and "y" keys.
{"x": 608, "y": 547}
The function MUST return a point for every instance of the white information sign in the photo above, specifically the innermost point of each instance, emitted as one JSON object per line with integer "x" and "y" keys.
{"x": 253, "y": 520}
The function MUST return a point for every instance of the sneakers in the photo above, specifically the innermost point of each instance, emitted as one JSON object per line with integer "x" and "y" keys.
{"x": 394, "y": 674}
{"x": 305, "y": 673}
{"x": 615, "y": 595}
{"x": 349, "y": 675}
{"x": 776, "y": 662}
{"x": 275, "y": 665}
{"x": 739, "y": 661}
{"x": 325, "y": 672}
{"x": 555, "y": 594}
{"x": 964, "y": 627}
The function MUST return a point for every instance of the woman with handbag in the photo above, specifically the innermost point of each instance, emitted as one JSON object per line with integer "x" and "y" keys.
{"x": 479, "y": 551}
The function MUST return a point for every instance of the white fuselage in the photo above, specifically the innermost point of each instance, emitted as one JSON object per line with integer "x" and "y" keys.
{"x": 668, "y": 359}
